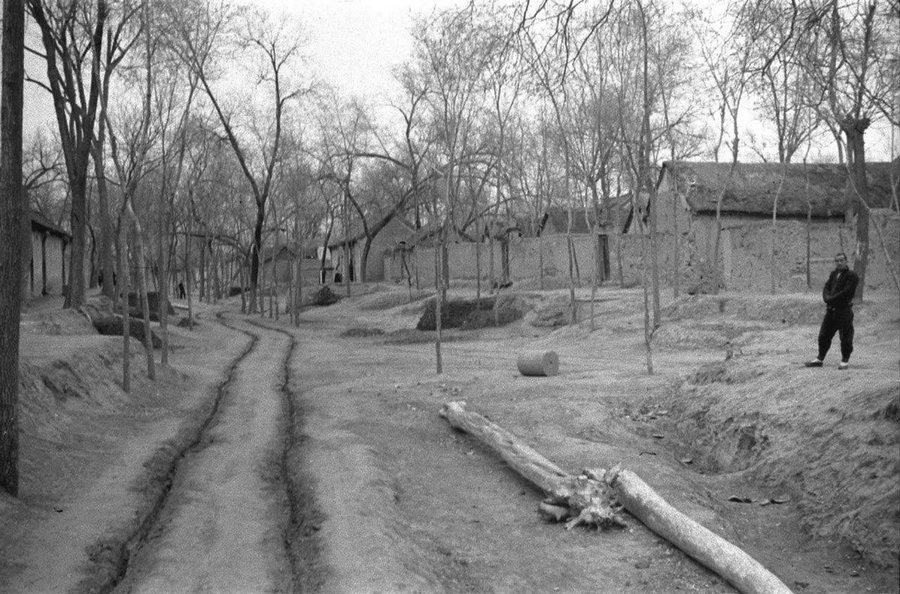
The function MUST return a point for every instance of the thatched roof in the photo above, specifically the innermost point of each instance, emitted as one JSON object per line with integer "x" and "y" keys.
{"x": 753, "y": 187}
{"x": 41, "y": 223}
{"x": 558, "y": 217}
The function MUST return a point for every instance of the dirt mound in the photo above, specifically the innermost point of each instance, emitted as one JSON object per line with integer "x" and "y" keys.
{"x": 556, "y": 313}
{"x": 392, "y": 299}
{"x": 472, "y": 314}
{"x": 56, "y": 322}
{"x": 114, "y": 326}
{"x": 411, "y": 336}
{"x": 324, "y": 296}
{"x": 134, "y": 303}
{"x": 834, "y": 451}
{"x": 785, "y": 309}
{"x": 81, "y": 374}
{"x": 361, "y": 332}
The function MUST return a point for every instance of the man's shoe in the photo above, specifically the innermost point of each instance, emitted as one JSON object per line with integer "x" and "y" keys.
{"x": 843, "y": 365}
{"x": 814, "y": 363}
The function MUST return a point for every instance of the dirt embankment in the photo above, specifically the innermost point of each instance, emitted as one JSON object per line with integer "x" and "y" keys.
{"x": 828, "y": 439}
{"x": 93, "y": 458}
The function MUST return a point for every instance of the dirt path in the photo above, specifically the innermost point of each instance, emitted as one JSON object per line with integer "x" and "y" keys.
{"x": 410, "y": 505}
{"x": 220, "y": 529}
{"x": 313, "y": 459}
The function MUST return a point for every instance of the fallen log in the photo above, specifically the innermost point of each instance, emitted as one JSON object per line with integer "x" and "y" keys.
{"x": 595, "y": 497}
{"x": 711, "y": 550}
{"x": 587, "y": 498}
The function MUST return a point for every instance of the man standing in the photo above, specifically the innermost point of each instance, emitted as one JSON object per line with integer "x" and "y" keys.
{"x": 838, "y": 295}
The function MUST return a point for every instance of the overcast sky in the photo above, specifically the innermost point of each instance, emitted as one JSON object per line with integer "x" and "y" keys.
{"x": 353, "y": 45}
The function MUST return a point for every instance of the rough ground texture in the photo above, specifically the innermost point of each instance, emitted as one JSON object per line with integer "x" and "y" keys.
{"x": 797, "y": 466}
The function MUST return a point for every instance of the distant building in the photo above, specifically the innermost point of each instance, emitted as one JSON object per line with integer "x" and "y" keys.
{"x": 583, "y": 221}
{"x": 383, "y": 245}
{"x": 811, "y": 213}
{"x": 47, "y": 269}
{"x": 313, "y": 268}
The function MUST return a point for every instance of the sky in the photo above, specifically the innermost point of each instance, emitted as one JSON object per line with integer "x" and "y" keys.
{"x": 356, "y": 43}
{"x": 353, "y": 45}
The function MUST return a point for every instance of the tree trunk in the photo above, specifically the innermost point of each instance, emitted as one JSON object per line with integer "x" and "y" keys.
{"x": 255, "y": 254}
{"x": 676, "y": 256}
{"x": 541, "y": 260}
{"x": 854, "y": 128}
{"x": 13, "y": 212}
{"x": 773, "y": 260}
{"x": 654, "y": 251}
{"x": 78, "y": 221}
{"x": 648, "y": 330}
{"x": 573, "y": 306}
{"x": 603, "y": 491}
{"x": 524, "y": 460}
{"x": 347, "y": 262}
{"x": 711, "y": 550}
{"x": 716, "y": 270}
{"x": 617, "y": 236}
{"x": 189, "y": 274}
{"x": 107, "y": 268}
{"x": 124, "y": 274}
{"x": 480, "y": 235}
{"x": 142, "y": 288}
{"x": 438, "y": 302}
{"x": 203, "y": 282}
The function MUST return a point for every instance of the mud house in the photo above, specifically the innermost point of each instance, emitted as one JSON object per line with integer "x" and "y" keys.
{"x": 554, "y": 228}
{"x": 47, "y": 268}
{"x": 512, "y": 250}
{"x": 369, "y": 252}
{"x": 313, "y": 268}
{"x": 812, "y": 221}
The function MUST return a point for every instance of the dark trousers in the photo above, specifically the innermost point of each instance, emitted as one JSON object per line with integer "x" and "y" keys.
{"x": 840, "y": 321}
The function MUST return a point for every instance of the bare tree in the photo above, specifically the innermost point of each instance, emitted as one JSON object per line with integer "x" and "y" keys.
{"x": 728, "y": 59}
{"x": 257, "y": 152}
{"x": 72, "y": 38}
{"x": 12, "y": 220}
{"x": 452, "y": 51}
{"x": 120, "y": 39}
{"x": 849, "y": 54}
{"x": 131, "y": 164}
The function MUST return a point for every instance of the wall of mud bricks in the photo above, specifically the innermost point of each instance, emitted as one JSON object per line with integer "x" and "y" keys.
{"x": 746, "y": 247}
{"x": 46, "y": 274}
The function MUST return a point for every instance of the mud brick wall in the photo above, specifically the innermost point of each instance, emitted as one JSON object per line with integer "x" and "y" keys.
{"x": 746, "y": 247}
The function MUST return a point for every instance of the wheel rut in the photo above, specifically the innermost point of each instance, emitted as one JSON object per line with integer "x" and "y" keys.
{"x": 300, "y": 533}
{"x": 228, "y": 512}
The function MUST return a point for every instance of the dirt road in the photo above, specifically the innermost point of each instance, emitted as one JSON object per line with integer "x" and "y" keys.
{"x": 220, "y": 527}
{"x": 313, "y": 459}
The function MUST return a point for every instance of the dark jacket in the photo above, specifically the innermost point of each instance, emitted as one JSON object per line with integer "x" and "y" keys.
{"x": 840, "y": 289}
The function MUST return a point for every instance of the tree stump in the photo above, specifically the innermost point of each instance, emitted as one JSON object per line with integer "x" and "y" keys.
{"x": 538, "y": 364}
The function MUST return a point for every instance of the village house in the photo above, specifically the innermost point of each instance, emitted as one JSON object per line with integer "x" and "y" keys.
{"x": 555, "y": 224}
{"x": 383, "y": 247}
{"x": 314, "y": 270}
{"x": 46, "y": 273}
{"x": 812, "y": 221}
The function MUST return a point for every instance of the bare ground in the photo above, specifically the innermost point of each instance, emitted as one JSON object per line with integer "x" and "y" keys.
{"x": 389, "y": 498}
